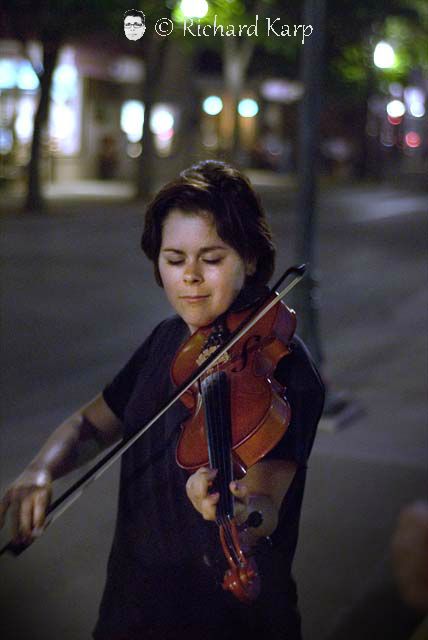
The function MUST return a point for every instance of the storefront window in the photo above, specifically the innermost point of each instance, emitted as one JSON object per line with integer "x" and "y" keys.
{"x": 66, "y": 106}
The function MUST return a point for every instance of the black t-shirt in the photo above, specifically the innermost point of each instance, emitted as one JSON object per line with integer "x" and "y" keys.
{"x": 166, "y": 565}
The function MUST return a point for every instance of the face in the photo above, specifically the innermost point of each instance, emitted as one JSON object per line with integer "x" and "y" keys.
{"x": 201, "y": 274}
{"x": 134, "y": 27}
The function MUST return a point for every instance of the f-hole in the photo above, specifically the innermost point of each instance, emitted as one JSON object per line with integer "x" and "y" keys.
{"x": 249, "y": 345}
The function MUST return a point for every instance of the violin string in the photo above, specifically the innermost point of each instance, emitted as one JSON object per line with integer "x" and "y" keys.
{"x": 216, "y": 410}
{"x": 216, "y": 414}
{"x": 221, "y": 392}
{"x": 215, "y": 395}
{"x": 208, "y": 422}
{"x": 227, "y": 444}
{"x": 211, "y": 431}
{"x": 220, "y": 411}
{"x": 212, "y": 438}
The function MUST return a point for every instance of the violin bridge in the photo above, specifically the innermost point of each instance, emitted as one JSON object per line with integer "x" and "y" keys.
{"x": 206, "y": 353}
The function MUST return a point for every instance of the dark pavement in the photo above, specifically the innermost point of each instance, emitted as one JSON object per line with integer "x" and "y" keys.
{"x": 78, "y": 297}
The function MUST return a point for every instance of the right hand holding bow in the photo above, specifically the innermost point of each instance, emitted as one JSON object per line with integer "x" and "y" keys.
{"x": 28, "y": 499}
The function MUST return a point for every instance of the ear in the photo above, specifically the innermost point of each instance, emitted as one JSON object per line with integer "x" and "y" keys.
{"x": 250, "y": 267}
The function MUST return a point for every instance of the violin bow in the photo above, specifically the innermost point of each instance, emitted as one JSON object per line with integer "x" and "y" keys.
{"x": 70, "y": 495}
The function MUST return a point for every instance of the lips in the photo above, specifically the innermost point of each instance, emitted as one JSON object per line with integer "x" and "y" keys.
{"x": 193, "y": 299}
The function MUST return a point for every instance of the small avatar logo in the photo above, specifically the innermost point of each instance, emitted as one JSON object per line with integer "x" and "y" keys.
{"x": 134, "y": 23}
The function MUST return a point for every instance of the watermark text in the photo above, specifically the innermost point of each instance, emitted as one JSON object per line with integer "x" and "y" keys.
{"x": 271, "y": 27}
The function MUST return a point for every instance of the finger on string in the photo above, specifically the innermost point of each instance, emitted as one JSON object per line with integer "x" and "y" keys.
{"x": 239, "y": 491}
{"x": 205, "y": 480}
{"x": 207, "y": 472}
{"x": 209, "y": 506}
{"x": 197, "y": 488}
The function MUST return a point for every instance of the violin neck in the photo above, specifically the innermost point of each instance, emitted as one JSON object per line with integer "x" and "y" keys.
{"x": 216, "y": 402}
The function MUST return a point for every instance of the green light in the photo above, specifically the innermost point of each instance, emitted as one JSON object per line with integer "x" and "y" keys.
{"x": 248, "y": 108}
{"x": 212, "y": 105}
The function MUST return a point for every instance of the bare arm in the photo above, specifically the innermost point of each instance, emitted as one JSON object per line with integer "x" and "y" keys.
{"x": 263, "y": 489}
{"x": 78, "y": 439}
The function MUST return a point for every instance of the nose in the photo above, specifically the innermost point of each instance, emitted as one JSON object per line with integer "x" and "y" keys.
{"x": 192, "y": 274}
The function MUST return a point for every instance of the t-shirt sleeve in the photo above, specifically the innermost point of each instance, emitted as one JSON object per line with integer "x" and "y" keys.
{"x": 118, "y": 392}
{"x": 305, "y": 393}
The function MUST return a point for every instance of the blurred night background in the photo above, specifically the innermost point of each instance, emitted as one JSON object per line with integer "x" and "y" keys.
{"x": 333, "y": 133}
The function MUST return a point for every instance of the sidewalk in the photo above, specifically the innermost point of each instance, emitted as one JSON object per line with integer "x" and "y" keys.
{"x": 119, "y": 190}
{"x": 78, "y": 192}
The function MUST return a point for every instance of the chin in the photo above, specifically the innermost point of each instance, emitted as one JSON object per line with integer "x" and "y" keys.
{"x": 202, "y": 322}
{"x": 195, "y": 322}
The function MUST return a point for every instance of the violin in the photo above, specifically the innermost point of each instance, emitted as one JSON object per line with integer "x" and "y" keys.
{"x": 239, "y": 413}
{"x": 257, "y": 352}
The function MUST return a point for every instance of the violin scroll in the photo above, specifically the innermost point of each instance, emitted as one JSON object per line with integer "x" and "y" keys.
{"x": 242, "y": 578}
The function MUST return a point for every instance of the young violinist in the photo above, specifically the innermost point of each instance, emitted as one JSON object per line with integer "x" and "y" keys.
{"x": 207, "y": 236}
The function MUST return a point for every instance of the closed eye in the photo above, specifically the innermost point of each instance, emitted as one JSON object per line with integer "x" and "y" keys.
{"x": 212, "y": 260}
{"x": 206, "y": 260}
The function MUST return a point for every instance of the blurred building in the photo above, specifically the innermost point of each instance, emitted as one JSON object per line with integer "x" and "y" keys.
{"x": 85, "y": 136}
{"x": 96, "y": 114}
{"x": 97, "y": 110}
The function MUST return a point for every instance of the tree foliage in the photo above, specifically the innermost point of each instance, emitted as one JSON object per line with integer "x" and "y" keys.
{"x": 354, "y": 30}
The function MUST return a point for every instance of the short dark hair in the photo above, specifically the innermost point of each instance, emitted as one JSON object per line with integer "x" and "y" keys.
{"x": 135, "y": 12}
{"x": 225, "y": 193}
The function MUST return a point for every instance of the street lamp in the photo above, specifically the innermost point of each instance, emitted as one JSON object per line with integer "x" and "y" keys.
{"x": 212, "y": 105}
{"x": 384, "y": 55}
{"x": 194, "y": 8}
{"x": 248, "y": 108}
{"x": 395, "y": 109}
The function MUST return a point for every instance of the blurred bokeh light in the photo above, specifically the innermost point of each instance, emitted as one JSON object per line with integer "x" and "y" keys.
{"x": 212, "y": 105}
{"x": 384, "y": 56}
{"x": 248, "y": 108}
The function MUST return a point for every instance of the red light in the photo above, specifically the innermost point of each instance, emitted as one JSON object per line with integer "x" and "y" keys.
{"x": 394, "y": 121}
{"x": 413, "y": 139}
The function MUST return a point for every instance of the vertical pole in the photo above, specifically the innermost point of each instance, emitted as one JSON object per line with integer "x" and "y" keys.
{"x": 312, "y": 65}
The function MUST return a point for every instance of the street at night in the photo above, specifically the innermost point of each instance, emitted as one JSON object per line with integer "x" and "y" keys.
{"x": 134, "y": 143}
{"x": 78, "y": 297}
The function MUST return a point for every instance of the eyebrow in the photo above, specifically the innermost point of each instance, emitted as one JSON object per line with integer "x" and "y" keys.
{"x": 203, "y": 250}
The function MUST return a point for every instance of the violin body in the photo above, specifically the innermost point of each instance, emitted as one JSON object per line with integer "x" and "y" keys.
{"x": 239, "y": 413}
{"x": 260, "y": 413}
